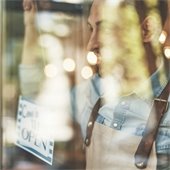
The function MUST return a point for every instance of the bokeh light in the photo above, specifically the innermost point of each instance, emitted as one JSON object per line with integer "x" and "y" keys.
{"x": 86, "y": 72}
{"x": 50, "y": 70}
{"x": 162, "y": 37}
{"x": 61, "y": 30}
{"x": 91, "y": 58}
{"x": 167, "y": 52}
{"x": 69, "y": 65}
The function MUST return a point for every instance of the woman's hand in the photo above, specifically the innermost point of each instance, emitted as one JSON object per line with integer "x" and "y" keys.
{"x": 29, "y": 55}
{"x": 30, "y": 9}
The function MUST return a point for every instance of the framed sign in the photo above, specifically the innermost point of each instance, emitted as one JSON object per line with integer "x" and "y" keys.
{"x": 32, "y": 130}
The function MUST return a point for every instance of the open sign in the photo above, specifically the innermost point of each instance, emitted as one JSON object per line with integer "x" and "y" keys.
{"x": 30, "y": 136}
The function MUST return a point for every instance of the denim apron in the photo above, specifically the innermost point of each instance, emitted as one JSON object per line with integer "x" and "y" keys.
{"x": 111, "y": 149}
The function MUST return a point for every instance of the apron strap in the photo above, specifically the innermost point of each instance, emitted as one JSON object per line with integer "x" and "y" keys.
{"x": 91, "y": 121}
{"x": 159, "y": 107}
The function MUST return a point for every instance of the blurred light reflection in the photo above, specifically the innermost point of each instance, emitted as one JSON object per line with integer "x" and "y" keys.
{"x": 91, "y": 58}
{"x": 50, "y": 70}
{"x": 86, "y": 72}
{"x": 46, "y": 40}
{"x": 44, "y": 22}
{"x": 162, "y": 37}
{"x": 61, "y": 30}
{"x": 69, "y": 65}
{"x": 113, "y": 3}
{"x": 51, "y": 42}
{"x": 55, "y": 95}
{"x": 53, "y": 47}
{"x": 167, "y": 52}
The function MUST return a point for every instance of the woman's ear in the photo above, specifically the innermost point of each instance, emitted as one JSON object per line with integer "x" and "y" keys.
{"x": 148, "y": 26}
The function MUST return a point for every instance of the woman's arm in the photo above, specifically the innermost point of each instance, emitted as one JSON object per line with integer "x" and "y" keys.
{"x": 30, "y": 46}
{"x": 30, "y": 70}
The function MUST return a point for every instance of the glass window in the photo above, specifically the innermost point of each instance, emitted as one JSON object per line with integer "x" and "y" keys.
{"x": 57, "y": 59}
{"x": 42, "y": 49}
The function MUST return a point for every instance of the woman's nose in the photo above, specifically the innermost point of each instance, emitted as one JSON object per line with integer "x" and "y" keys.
{"x": 93, "y": 43}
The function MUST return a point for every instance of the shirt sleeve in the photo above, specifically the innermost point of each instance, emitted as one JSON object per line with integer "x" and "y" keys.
{"x": 31, "y": 77}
